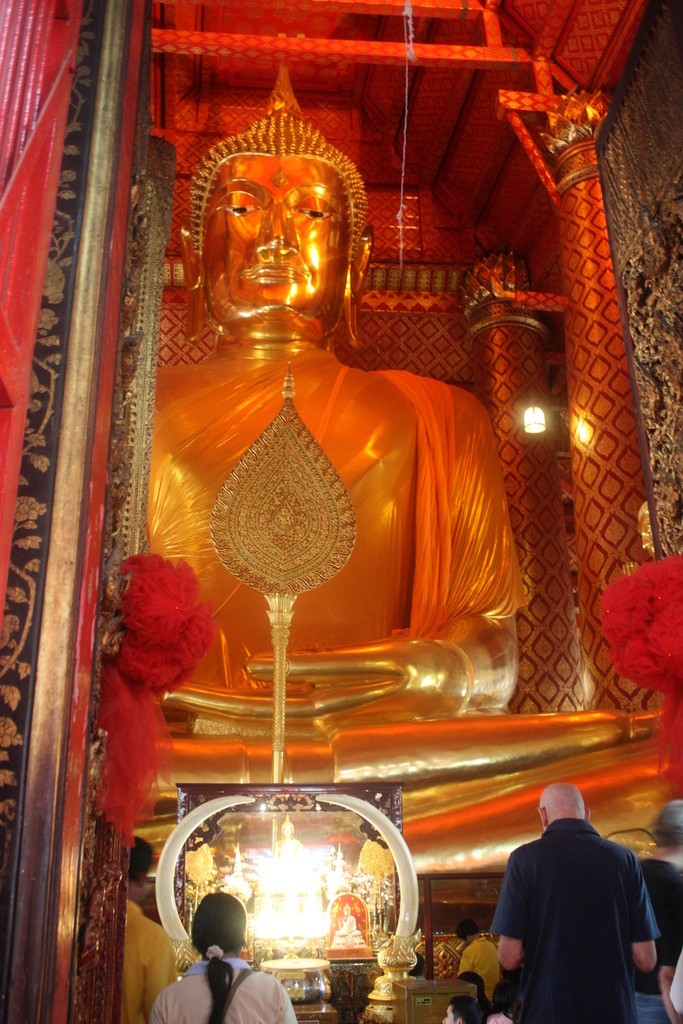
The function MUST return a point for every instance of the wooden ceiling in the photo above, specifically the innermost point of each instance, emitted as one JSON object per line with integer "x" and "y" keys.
{"x": 472, "y": 96}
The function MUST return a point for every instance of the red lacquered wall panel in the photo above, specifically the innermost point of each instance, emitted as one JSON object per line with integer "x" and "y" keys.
{"x": 38, "y": 39}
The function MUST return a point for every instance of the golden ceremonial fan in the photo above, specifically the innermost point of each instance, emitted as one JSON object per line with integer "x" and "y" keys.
{"x": 283, "y": 523}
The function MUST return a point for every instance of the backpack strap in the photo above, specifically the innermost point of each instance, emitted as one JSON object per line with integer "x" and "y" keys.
{"x": 236, "y": 982}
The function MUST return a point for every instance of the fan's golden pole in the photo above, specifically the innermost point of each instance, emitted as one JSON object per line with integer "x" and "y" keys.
{"x": 280, "y": 615}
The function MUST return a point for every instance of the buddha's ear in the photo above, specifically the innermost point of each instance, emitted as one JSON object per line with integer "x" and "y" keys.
{"x": 193, "y": 285}
{"x": 354, "y": 284}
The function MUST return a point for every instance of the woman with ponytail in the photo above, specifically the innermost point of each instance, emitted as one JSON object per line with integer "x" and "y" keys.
{"x": 221, "y": 986}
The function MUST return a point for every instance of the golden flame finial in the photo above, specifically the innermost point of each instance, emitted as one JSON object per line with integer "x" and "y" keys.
{"x": 282, "y": 99}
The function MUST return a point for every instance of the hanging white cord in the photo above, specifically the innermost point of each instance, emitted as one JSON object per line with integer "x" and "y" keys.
{"x": 409, "y": 39}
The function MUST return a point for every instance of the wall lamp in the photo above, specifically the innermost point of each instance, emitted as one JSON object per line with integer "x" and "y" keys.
{"x": 534, "y": 420}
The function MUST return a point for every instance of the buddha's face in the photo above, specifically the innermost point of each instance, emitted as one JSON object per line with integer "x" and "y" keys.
{"x": 276, "y": 249}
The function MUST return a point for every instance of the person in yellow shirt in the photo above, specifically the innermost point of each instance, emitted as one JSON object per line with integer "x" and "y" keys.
{"x": 148, "y": 957}
{"x": 479, "y": 955}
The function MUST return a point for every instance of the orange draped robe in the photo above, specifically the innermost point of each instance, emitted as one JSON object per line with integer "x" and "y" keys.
{"x": 434, "y": 542}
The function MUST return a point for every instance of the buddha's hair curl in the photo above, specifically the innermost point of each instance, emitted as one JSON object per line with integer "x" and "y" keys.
{"x": 278, "y": 134}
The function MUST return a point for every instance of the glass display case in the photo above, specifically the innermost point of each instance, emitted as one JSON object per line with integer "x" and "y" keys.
{"x": 317, "y": 878}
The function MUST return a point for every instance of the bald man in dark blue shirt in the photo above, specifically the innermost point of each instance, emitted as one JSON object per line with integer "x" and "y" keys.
{"x": 574, "y": 913}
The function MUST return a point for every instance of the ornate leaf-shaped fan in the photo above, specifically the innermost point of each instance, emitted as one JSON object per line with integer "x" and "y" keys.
{"x": 283, "y": 523}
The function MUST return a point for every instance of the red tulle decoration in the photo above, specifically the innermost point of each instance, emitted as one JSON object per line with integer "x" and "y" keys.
{"x": 166, "y": 634}
{"x": 642, "y": 619}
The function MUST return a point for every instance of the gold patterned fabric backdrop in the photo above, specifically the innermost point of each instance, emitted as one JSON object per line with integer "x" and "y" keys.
{"x": 509, "y": 370}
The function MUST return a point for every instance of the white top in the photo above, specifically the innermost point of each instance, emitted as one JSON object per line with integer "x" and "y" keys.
{"x": 260, "y": 999}
{"x": 676, "y": 993}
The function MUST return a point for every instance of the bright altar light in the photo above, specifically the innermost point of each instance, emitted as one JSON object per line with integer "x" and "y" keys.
{"x": 290, "y": 917}
{"x": 289, "y": 904}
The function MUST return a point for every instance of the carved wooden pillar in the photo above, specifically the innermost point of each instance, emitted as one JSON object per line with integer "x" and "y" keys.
{"x": 510, "y": 374}
{"x": 605, "y": 457}
{"x": 640, "y": 142}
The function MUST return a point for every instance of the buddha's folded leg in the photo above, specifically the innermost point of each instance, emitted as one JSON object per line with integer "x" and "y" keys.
{"x": 474, "y": 825}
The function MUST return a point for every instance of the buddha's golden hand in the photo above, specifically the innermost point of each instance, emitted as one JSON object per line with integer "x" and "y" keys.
{"x": 345, "y": 676}
{"x": 473, "y": 667}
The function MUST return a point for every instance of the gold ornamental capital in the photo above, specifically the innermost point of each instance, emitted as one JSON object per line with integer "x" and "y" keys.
{"x": 488, "y": 291}
{"x": 571, "y": 136}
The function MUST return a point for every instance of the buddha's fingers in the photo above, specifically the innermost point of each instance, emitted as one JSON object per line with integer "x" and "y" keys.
{"x": 354, "y": 666}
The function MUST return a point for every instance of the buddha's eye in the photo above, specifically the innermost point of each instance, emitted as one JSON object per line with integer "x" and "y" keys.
{"x": 239, "y": 210}
{"x": 315, "y": 214}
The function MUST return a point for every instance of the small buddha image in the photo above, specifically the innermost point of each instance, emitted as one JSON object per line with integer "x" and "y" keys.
{"x": 348, "y": 925}
{"x": 288, "y": 848}
{"x": 290, "y": 871}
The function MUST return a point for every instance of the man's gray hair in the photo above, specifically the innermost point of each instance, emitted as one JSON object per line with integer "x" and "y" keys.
{"x": 667, "y": 828}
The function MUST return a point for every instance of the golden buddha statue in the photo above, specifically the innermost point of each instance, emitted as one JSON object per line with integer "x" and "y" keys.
{"x": 418, "y": 627}
{"x": 427, "y": 598}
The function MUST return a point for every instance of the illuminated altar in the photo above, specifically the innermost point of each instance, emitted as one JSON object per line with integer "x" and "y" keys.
{"x": 289, "y": 852}
{"x": 320, "y": 907}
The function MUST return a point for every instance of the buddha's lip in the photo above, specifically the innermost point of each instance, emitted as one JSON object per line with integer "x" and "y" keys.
{"x": 275, "y": 274}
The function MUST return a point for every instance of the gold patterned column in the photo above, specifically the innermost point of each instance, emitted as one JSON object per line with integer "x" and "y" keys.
{"x": 510, "y": 374}
{"x": 605, "y": 457}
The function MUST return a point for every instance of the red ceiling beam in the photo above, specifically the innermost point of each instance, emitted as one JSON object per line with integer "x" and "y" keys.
{"x": 461, "y": 9}
{"x": 512, "y": 99}
{"x": 334, "y": 51}
{"x": 625, "y": 28}
{"x": 532, "y": 151}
